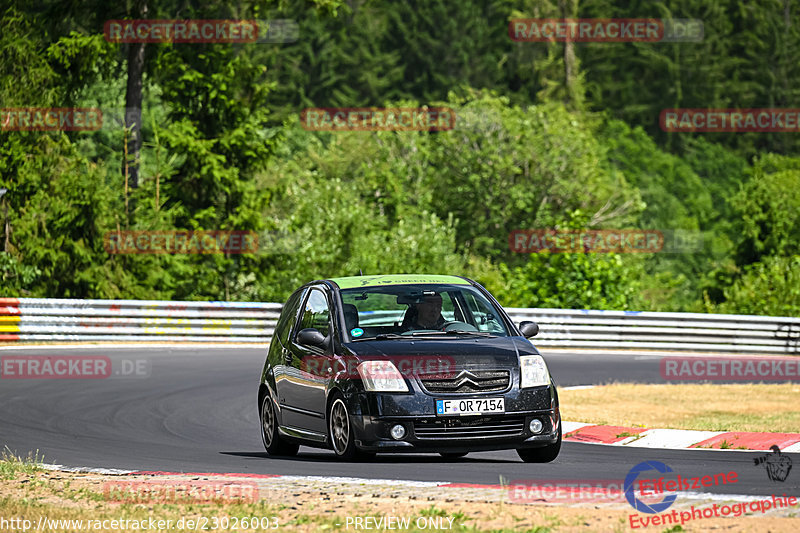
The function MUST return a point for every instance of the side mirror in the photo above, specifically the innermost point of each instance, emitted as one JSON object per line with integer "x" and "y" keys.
{"x": 529, "y": 329}
{"x": 311, "y": 337}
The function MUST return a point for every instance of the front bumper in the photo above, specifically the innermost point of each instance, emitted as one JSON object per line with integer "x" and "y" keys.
{"x": 376, "y": 413}
{"x": 373, "y": 434}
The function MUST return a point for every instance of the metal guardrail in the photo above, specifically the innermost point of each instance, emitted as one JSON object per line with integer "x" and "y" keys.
{"x": 663, "y": 331}
{"x": 41, "y": 319}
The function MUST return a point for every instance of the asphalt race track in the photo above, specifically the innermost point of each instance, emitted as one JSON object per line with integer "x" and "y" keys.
{"x": 195, "y": 411}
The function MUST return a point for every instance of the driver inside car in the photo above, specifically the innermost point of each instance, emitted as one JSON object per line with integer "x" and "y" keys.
{"x": 427, "y": 314}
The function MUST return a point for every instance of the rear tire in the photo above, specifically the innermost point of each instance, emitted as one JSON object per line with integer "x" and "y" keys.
{"x": 545, "y": 454}
{"x": 273, "y": 442}
{"x": 453, "y": 455}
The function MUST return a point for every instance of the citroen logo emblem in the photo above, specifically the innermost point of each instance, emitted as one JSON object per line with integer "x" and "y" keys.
{"x": 465, "y": 376}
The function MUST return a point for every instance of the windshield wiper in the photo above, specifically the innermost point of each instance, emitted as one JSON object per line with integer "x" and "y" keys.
{"x": 386, "y": 336}
{"x": 383, "y": 337}
{"x": 450, "y": 332}
{"x": 464, "y": 332}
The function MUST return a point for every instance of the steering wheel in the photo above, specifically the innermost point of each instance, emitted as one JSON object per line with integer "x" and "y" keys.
{"x": 452, "y": 325}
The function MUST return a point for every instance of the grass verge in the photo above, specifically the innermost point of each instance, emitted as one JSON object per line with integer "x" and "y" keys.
{"x": 62, "y": 502}
{"x": 11, "y": 465}
{"x": 771, "y": 408}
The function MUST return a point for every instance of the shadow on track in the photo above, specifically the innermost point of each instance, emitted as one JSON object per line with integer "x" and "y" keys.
{"x": 396, "y": 458}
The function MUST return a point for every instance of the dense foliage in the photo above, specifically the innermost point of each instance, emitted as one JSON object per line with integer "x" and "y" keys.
{"x": 547, "y": 135}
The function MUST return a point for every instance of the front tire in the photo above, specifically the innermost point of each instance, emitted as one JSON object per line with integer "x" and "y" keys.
{"x": 545, "y": 454}
{"x": 340, "y": 432}
{"x": 273, "y": 442}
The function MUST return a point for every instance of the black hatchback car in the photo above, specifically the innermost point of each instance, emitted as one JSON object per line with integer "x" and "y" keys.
{"x": 405, "y": 363}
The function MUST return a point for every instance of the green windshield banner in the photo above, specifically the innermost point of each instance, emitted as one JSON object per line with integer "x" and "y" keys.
{"x": 396, "y": 279}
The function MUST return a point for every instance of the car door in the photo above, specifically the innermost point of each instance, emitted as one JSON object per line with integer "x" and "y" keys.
{"x": 280, "y": 358}
{"x": 304, "y": 392}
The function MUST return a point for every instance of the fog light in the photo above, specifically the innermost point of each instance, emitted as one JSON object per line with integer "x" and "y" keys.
{"x": 535, "y": 426}
{"x": 398, "y": 432}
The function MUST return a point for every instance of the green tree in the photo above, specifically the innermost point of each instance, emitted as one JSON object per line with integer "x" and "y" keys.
{"x": 506, "y": 167}
{"x": 573, "y": 281}
{"x": 769, "y": 287}
{"x": 768, "y": 210}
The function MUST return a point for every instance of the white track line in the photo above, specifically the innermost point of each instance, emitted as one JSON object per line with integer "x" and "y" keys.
{"x": 676, "y": 439}
{"x": 569, "y": 427}
{"x": 86, "y": 469}
{"x": 617, "y": 444}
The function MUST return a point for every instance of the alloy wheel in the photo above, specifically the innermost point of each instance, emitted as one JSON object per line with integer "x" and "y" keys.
{"x": 340, "y": 427}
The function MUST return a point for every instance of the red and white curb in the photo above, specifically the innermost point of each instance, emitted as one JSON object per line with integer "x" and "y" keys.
{"x": 679, "y": 439}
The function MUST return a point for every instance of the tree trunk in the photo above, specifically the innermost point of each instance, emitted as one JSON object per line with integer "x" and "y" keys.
{"x": 574, "y": 98}
{"x": 133, "y": 103}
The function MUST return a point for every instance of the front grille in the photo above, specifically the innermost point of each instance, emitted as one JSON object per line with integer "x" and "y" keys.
{"x": 467, "y": 381}
{"x": 473, "y": 428}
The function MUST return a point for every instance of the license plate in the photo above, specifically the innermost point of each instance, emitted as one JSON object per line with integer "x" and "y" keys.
{"x": 470, "y": 406}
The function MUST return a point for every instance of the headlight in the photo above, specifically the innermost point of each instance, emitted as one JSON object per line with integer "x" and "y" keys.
{"x": 381, "y": 376}
{"x": 534, "y": 372}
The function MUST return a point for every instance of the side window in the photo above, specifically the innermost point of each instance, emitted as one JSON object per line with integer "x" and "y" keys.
{"x": 482, "y": 313}
{"x": 316, "y": 313}
{"x": 286, "y": 321}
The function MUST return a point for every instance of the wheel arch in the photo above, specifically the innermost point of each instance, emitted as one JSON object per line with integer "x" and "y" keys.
{"x": 262, "y": 391}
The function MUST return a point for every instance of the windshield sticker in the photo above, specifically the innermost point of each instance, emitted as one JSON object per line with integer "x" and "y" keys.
{"x": 356, "y": 332}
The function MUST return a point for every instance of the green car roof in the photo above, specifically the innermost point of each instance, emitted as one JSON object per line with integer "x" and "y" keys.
{"x": 395, "y": 279}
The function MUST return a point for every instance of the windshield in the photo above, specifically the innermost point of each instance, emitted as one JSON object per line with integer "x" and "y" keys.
{"x": 416, "y": 310}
